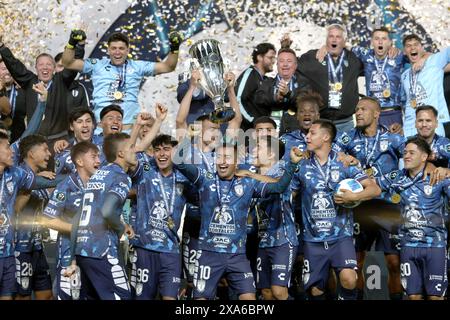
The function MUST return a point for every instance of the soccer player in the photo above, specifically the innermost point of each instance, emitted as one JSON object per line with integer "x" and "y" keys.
{"x": 225, "y": 200}
{"x": 82, "y": 124}
{"x": 276, "y": 227}
{"x": 426, "y": 125}
{"x": 328, "y": 226}
{"x": 99, "y": 227}
{"x": 423, "y": 234}
{"x": 161, "y": 197}
{"x": 201, "y": 153}
{"x": 32, "y": 270}
{"x": 63, "y": 207}
{"x": 378, "y": 152}
{"x": 117, "y": 79}
{"x": 12, "y": 179}
{"x": 308, "y": 107}
{"x": 424, "y": 87}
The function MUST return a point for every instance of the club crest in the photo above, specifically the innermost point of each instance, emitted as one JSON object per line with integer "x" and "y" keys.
{"x": 384, "y": 145}
{"x": 239, "y": 190}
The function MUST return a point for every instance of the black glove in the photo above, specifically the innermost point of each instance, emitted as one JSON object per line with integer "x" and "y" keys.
{"x": 76, "y": 36}
{"x": 175, "y": 39}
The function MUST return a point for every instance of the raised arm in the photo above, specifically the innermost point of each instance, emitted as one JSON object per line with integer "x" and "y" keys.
{"x": 36, "y": 119}
{"x": 234, "y": 123}
{"x": 185, "y": 105}
{"x": 168, "y": 65}
{"x": 161, "y": 114}
{"x": 68, "y": 58}
{"x": 19, "y": 72}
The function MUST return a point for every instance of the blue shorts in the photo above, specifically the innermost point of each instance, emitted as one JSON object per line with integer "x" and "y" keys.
{"x": 63, "y": 287}
{"x": 103, "y": 278}
{"x": 366, "y": 230}
{"x": 212, "y": 266}
{"x": 387, "y": 118}
{"x": 7, "y": 277}
{"x": 153, "y": 270}
{"x": 424, "y": 270}
{"x": 320, "y": 256}
{"x": 275, "y": 266}
{"x": 32, "y": 272}
{"x": 190, "y": 247}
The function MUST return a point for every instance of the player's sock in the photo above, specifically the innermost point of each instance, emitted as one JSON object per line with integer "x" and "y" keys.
{"x": 396, "y": 296}
{"x": 359, "y": 294}
{"x": 347, "y": 294}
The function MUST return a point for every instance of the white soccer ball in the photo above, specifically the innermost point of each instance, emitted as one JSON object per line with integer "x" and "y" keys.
{"x": 352, "y": 185}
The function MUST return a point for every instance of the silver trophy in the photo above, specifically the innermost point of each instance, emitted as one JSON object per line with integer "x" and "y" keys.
{"x": 207, "y": 58}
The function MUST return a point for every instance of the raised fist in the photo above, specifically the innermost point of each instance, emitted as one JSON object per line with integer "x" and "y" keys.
{"x": 77, "y": 35}
{"x": 175, "y": 39}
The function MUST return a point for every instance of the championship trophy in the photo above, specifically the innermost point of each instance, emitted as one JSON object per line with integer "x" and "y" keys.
{"x": 207, "y": 59}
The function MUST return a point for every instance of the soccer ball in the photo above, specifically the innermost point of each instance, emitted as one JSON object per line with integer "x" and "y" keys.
{"x": 352, "y": 185}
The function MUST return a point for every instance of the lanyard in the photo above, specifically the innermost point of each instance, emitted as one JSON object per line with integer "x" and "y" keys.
{"x": 403, "y": 186}
{"x": 380, "y": 71}
{"x": 12, "y": 99}
{"x": 2, "y": 188}
{"x": 219, "y": 192}
{"x": 413, "y": 83}
{"x": 123, "y": 75}
{"x": 325, "y": 174}
{"x": 210, "y": 167}
{"x": 172, "y": 195}
{"x": 333, "y": 71}
{"x": 369, "y": 156}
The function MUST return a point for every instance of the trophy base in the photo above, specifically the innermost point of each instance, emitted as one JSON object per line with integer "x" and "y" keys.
{"x": 222, "y": 115}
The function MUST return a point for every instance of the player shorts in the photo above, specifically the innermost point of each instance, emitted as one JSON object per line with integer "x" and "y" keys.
{"x": 153, "y": 270}
{"x": 190, "y": 247}
{"x": 103, "y": 278}
{"x": 32, "y": 272}
{"x": 424, "y": 270}
{"x": 64, "y": 289}
{"x": 275, "y": 266}
{"x": 320, "y": 256}
{"x": 7, "y": 277}
{"x": 212, "y": 266}
{"x": 366, "y": 230}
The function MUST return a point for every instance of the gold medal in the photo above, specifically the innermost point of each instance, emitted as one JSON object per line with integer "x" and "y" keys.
{"x": 369, "y": 171}
{"x": 396, "y": 198}
{"x": 338, "y": 86}
{"x": 291, "y": 112}
{"x": 170, "y": 223}
{"x": 118, "y": 95}
{"x": 386, "y": 93}
{"x": 413, "y": 103}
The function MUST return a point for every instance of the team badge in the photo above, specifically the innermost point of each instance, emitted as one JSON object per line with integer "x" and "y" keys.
{"x": 75, "y": 93}
{"x": 25, "y": 281}
{"x": 384, "y": 145}
{"x": 93, "y": 61}
{"x": 10, "y": 186}
{"x": 179, "y": 189}
{"x": 335, "y": 175}
{"x": 75, "y": 293}
{"x": 428, "y": 190}
{"x": 139, "y": 288}
{"x": 146, "y": 166}
{"x": 191, "y": 269}
{"x": 201, "y": 285}
{"x": 239, "y": 190}
{"x": 209, "y": 175}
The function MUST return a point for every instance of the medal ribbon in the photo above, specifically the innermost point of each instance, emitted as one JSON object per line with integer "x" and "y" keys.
{"x": 333, "y": 71}
{"x": 163, "y": 190}
{"x": 369, "y": 156}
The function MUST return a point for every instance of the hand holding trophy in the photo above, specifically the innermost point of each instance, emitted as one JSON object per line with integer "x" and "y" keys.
{"x": 206, "y": 58}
